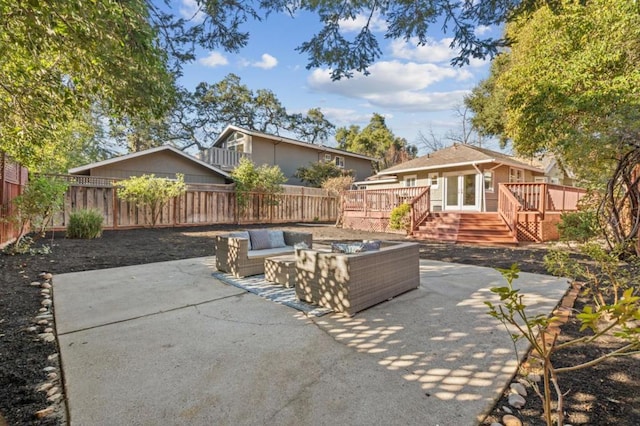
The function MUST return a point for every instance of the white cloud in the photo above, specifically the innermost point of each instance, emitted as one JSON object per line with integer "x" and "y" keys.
{"x": 396, "y": 86}
{"x": 482, "y": 30}
{"x": 214, "y": 59}
{"x": 191, "y": 10}
{"x": 355, "y": 25}
{"x": 434, "y": 51}
{"x": 267, "y": 62}
{"x": 344, "y": 116}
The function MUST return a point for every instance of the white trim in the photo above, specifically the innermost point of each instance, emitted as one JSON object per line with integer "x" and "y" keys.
{"x": 113, "y": 160}
{"x": 375, "y": 182}
{"x": 409, "y": 177}
{"x": 466, "y": 163}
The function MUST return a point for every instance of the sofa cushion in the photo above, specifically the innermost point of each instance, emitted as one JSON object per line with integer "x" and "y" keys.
{"x": 270, "y": 252}
{"x": 241, "y": 234}
{"x": 276, "y": 238}
{"x": 259, "y": 239}
{"x": 371, "y": 245}
{"x": 345, "y": 248}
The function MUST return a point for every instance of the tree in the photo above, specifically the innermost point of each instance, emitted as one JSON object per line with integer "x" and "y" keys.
{"x": 376, "y": 140}
{"x": 35, "y": 207}
{"x": 149, "y": 191}
{"x": 60, "y": 59}
{"x": 315, "y": 174}
{"x": 570, "y": 86}
{"x": 263, "y": 179}
{"x": 203, "y": 114}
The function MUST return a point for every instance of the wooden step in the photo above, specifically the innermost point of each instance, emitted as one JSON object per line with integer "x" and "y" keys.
{"x": 465, "y": 228}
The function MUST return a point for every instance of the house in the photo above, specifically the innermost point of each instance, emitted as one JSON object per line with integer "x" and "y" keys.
{"x": 162, "y": 161}
{"x": 462, "y": 177}
{"x": 464, "y": 194}
{"x": 289, "y": 154}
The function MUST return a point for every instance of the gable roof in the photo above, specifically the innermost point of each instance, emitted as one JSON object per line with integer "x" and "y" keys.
{"x": 457, "y": 155}
{"x": 320, "y": 148}
{"x": 169, "y": 148}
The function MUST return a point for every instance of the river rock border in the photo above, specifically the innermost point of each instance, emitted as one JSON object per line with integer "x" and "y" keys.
{"x": 518, "y": 388}
{"x": 44, "y": 327}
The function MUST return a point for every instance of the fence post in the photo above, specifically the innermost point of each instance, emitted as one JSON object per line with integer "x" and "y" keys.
{"x": 115, "y": 207}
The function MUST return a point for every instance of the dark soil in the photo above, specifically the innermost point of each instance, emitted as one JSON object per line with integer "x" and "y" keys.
{"x": 602, "y": 395}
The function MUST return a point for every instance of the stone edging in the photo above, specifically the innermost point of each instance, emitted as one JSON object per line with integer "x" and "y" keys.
{"x": 44, "y": 326}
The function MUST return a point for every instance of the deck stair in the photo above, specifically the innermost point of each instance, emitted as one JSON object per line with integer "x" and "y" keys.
{"x": 465, "y": 228}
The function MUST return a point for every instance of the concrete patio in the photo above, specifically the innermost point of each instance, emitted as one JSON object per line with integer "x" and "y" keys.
{"x": 166, "y": 343}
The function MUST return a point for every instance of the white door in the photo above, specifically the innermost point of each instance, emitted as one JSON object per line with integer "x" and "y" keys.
{"x": 462, "y": 192}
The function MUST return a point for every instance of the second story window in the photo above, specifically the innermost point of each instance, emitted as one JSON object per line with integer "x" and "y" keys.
{"x": 339, "y": 162}
{"x": 327, "y": 158}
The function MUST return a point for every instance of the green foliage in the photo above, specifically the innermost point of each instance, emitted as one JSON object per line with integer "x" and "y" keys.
{"x": 249, "y": 178}
{"x": 337, "y": 185}
{"x": 148, "y": 191}
{"x": 229, "y": 101}
{"x": 618, "y": 318}
{"x": 35, "y": 207}
{"x": 399, "y": 218}
{"x": 61, "y": 58}
{"x": 315, "y": 174}
{"x": 580, "y": 226}
{"x": 378, "y": 141}
{"x": 85, "y": 224}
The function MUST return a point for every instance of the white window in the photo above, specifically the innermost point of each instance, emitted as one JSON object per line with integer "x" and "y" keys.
{"x": 516, "y": 175}
{"x": 488, "y": 181}
{"x": 555, "y": 181}
{"x": 327, "y": 158}
{"x": 540, "y": 179}
{"x": 433, "y": 180}
{"x": 236, "y": 142}
{"x": 339, "y": 161}
{"x": 410, "y": 181}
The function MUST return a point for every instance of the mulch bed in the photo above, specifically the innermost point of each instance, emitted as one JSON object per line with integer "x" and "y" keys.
{"x": 602, "y": 395}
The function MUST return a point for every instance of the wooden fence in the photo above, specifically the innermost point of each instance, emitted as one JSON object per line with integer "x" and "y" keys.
{"x": 202, "y": 204}
{"x": 13, "y": 178}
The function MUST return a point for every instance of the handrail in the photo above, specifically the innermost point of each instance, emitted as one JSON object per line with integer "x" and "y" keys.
{"x": 420, "y": 206}
{"x": 379, "y": 200}
{"x": 508, "y": 208}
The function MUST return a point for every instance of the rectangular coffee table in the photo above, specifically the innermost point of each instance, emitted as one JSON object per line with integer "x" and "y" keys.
{"x": 281, "y": 270}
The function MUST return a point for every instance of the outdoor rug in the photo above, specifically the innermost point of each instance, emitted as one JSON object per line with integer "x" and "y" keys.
{"x": 256, "y": 284}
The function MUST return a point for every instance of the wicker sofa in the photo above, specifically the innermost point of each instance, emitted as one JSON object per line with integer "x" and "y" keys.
{"x": 349, "y": 283}
{"x": 235, "y": 255}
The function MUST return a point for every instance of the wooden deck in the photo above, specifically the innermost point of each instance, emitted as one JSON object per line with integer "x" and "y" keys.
{"x": 526, "y": 212}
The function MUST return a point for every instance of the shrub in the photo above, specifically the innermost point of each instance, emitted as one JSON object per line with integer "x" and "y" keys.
{"x": 249, "y": 178}
{"x": 578, "y": 226}
{"x": 148, "y": 191}
{"x": 400, "y": 217}
{"x": 85, "y": 224}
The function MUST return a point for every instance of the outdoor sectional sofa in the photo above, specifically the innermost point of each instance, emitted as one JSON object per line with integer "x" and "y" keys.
{"x": 349, "y": 283}
{"x": 243, "y": 253}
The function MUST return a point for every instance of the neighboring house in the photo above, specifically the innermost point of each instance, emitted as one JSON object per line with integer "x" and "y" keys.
{"x": 289, "y": 154}
{"x": 554, "y": 171}
{"x": 462, "y": 177}
{"x": 162, "y": 161}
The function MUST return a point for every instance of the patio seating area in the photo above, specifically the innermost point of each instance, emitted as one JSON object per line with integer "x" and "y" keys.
{"x": 346, "y": 278}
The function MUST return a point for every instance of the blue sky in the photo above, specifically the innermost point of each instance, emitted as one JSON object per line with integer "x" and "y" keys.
{"x": 415, "y": 88}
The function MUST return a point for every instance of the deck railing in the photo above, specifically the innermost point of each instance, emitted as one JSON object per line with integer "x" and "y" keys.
{"x": 380, "y": 200}
{"x": 508, "y": 207}
{"x": 544, "y": 197}
{"x": 223, "y": 158}
{"x": 420, "y": 206}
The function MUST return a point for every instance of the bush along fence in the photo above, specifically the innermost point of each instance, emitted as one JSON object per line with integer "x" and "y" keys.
{"x": 201, "y": 204}
{"x": 13, "y": 178}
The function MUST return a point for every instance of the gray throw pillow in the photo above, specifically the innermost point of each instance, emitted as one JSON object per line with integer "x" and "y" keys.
{"x": 371, "y": 245}
{"x": 259, "y": 239}
{"x": 277, "y": 239}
